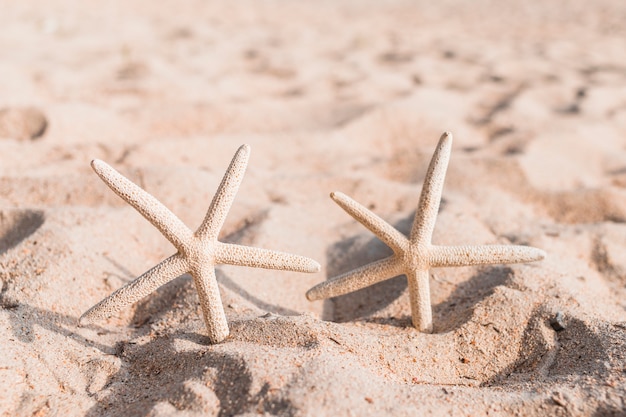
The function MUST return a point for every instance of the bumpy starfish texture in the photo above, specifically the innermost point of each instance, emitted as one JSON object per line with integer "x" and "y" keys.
{"x": 414, "y": 256}
{"x": 198, "y": 252}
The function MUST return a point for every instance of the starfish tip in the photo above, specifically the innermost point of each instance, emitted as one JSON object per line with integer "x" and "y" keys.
{"x": 97, "y": 164}
{"x": 541, "y": 254}
{"x": 83, "y": 321}
{"x": 446, "y": 137}
{"x": 310, "y": 295}
{"x": 314, "y": 266}
{"x": 337, "y": 195}
{"x": 245, "y": 148}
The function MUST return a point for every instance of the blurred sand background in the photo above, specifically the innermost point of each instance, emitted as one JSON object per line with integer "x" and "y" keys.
{"x": 349, "y": 96}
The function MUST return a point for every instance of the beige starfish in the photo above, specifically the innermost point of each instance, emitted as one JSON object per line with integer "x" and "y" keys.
{"x": 198, "y": 252}
{"x": 413, "y": 257}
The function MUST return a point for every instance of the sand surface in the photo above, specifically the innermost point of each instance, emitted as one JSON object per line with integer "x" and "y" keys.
{"x": 347, "y": 96}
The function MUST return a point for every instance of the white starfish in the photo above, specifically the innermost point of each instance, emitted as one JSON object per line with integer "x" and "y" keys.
{"x": 413, "y": 257}
{"x": 198, "y": 252}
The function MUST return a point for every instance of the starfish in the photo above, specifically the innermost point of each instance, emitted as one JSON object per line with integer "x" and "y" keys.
{"x": 198, "y": 252}
{"x": 414, "y": 256}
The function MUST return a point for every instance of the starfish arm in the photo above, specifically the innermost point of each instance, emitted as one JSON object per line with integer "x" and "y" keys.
{"x": 210, "y": 302}
{"x": 419, "y": 298}
{"x": 225, "y": 195}
{"x": 356, "y": 279}
{"x": 167, "y": 270}
{"x": 428, "y": 207}
{"x": 152, "y": 209}
{"x": 383, "y": 230}
{"x": 442, "y": 256}
{"x": 231, "y": 254}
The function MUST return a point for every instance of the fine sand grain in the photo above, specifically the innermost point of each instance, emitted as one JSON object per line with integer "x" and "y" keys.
{"x": 347, "y": 96}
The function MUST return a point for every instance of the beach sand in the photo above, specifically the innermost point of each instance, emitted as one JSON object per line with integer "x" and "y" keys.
{"x": 347, "y": 96}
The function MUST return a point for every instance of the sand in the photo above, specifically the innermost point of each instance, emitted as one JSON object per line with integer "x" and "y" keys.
{"x": 347, "y": 96}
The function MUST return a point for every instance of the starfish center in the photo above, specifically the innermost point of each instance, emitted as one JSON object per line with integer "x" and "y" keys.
{"x": 200, "y": 252}
{"x": 416, "y": 257}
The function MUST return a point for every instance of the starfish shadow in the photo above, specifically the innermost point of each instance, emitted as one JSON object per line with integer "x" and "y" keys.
{"x": 181, "y": 292}
{"x": 23, "y": 327}
{"x": 17, "y": 225}
{"x": 225, "y": 281}
{"x": 352, "y": 253}
{"x": 458, "y": 307}
{"x": 199, "y": 380}
{"x": 124, "y": 273}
